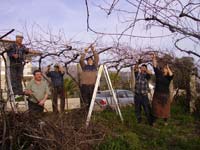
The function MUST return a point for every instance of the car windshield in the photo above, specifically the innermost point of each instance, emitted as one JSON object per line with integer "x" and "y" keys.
{"x": 105, "y": 94}
{"x": 129, "y": 93}
{"x": 99, "y": 95}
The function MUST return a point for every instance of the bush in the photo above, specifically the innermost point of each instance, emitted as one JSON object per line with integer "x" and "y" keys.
{"x": 181, "y": 104}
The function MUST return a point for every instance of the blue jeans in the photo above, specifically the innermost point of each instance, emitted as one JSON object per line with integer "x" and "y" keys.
{"x": 142, "y": 101}
{"x": 16, "y": 75}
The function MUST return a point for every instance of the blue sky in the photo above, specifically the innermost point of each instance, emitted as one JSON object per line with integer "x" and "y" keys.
{"x": 70, "y": 16}
{"x": 57, "y": 14}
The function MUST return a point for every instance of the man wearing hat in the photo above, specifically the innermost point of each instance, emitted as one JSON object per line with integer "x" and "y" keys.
{"x": 58, "y": 87}
{"x": 16, "y": 53}
{"x": 88, "y": 76}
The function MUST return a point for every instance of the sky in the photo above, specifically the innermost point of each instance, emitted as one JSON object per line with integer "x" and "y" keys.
{"x": 70, "y": 16}
{"x": 58, "y": 14}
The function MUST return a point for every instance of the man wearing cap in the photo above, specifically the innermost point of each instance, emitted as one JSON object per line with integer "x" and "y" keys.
{"x": 58, "y": 87}
{"x": 88, "y": 76}
{"x": 16, "y": 54}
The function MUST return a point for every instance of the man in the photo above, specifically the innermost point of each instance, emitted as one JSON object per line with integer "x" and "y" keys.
{"x": 141, "y": 92}
{"x": 16, "y": 53}
{"x": 37, "y": 90}
{"x": 58, "y": 87}
{"x": 88, "y": 76}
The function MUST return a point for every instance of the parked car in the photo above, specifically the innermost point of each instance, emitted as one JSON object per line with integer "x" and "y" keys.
{"x": 101, "y": 101}
{"x": 105, "y": 98}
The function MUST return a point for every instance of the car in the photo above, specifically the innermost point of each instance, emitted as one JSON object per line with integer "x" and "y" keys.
{"x": 101, "y": 101}
{"x": 105, "y": 98}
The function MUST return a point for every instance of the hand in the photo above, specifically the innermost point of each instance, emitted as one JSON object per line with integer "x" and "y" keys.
{"x": 148, "y": 72}
{"x": 28, "y": 92}
{"x": 92, "y": 47}
{"x": 167, "y": 67}
{"x": 15, "y": 56}
{"x": 41, "y": 102}
{"x": 39, "y": 53}
{"x": 86, "y": 50}
{"x": 139, "y": 61}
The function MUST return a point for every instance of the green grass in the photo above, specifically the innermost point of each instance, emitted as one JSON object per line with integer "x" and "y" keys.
{"x": 182, "y": 133}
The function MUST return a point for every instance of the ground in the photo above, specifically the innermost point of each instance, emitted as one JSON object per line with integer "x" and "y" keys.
{"x": 182, "y": 133}
{"x": 105, "y": 132}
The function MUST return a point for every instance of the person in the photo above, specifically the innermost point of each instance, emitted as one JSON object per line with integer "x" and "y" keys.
{"x": 142, "y": 77}
{"x": 161, "y": 99}
{"x": 58, "y": 87}
{"x": 16, "y": 53}
{"x": 38, "y": 91}
{"x": 88, "y": 76}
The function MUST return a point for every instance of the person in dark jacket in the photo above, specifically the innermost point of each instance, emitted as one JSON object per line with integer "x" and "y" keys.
{"x": 142, "y": 77}
{"x": 58, "y": 87}
{"x": 161, "y": 98}
{"x": 16, "y": 53}
{"x": 88, "y": 76}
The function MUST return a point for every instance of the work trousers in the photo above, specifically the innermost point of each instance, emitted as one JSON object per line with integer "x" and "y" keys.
{"x": 86, "y": 93}
{"x": 16, "y": 75}
{"x": 142, "y": 101}
{"x": 58, "y": 92}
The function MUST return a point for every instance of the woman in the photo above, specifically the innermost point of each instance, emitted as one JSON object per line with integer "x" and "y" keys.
{"x": 161, "y": 98}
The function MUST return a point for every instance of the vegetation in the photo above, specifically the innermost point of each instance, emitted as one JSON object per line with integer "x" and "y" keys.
{"x": 182, "y": 133}
{"x": 71, "y": 88}
{"x": 105, "y": 132}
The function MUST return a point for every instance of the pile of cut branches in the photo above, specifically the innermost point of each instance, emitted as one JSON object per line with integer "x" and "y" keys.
{"x": 49, "y": 131}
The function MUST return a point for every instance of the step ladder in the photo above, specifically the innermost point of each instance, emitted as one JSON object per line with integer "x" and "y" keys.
{"x": 11, "y": 97}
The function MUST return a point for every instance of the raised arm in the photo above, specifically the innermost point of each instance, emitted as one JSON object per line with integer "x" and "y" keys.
{"x": 61, "y": 69}
{"x": 82, "y": 63}
{"x": 154, "y": 59}
{"x": 169, "y": 71}
{"x": 96, "y": 56}
{"x": 47, "y": 71}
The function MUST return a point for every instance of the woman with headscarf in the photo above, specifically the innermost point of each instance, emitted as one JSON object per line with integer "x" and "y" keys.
{"x": 161, "y": 98}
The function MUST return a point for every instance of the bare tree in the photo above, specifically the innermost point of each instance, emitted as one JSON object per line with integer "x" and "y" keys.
{"x": 179, "y": 18}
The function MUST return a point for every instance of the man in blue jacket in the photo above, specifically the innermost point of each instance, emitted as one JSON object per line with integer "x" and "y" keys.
{"x": 58, "y": 87}
{"x": 16, "y": 54}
